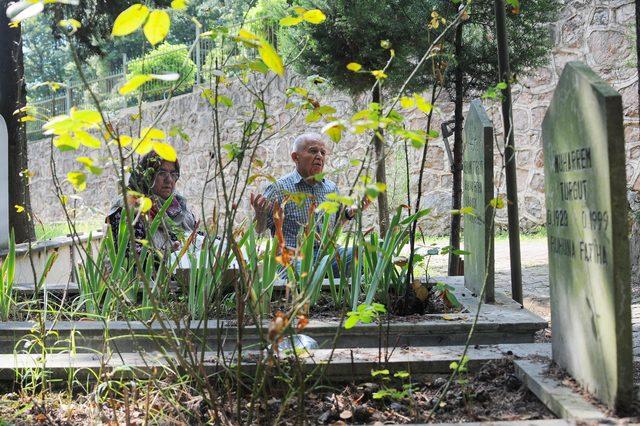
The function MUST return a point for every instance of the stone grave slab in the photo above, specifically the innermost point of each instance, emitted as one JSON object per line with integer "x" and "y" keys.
{"x": 585, "y": 185}
{"x": 4, "y": 185}
{"x": 478, "y": 193}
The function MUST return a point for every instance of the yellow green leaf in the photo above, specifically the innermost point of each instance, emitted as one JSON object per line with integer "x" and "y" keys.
{"x": 347, "y": 201}
{"x": 314, "y": 16}
{"x": 150, "y": 133}
{"x": 354, "y": 66}
{"x": 19, "y": 209}
{"x": 422, "y": 104}
{"x": 89, "y": 165}
{"x": 78, "y": 180}
{"x": 271, "y": 58}
{"x": 334, "y": 131}
{"x": 86, "y": 116}
{"x": 330, "y": 207}
{"x": 247, "y": 34}
{"x": 406, "y": 102}
{"x": 125, "y": 140}
{"x": 289, "y": 21}
{"x": 299, "y": 10}
{"x": 87, "y": 140}
{"x": 379, "y": 74}
{"x": 145, "y": 204}
{"x": 134, "y": 82}
{"x": 142, "y": 146}
{"x": 57, "y": 125}
{"x": 130, "y": 20}
{"x": 467, "y": 210}
{"x": 85, "y": 160}
{"x": 70, "y": 25}
{"x": 497, "y": 203}
{"x": 65, "y": 142}
{"x": 225, "y": 100}
{"x": 157, "y": 26}
{"x": 179, "y": 4}
{"x": 247, "y": 38}
{"x": 165, "y": 151}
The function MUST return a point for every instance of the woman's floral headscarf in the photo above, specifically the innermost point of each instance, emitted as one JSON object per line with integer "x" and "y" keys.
{"x": 142, "y": 179}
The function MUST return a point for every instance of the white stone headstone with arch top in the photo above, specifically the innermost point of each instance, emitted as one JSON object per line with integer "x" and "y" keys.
{"x": 4, "y": 185}
{"x": 585, "y": 189}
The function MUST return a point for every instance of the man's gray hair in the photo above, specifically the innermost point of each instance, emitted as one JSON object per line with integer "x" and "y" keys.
{"x": 300, "y": 141}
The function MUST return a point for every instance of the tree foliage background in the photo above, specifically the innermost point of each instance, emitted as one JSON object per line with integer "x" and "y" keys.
{"x": 354, "y": 30}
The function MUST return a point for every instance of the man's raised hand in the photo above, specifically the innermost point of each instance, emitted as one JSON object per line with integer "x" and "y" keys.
{"x": 262, "y": 208}
{"x": 261, "y": 205}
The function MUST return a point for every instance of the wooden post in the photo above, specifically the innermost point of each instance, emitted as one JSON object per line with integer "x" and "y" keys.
{"x": 510, "y": 154}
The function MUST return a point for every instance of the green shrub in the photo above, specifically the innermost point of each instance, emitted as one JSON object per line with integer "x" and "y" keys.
{"x": 167, "y": 58}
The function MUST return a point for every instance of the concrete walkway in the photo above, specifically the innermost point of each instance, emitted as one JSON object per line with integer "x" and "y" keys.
{"x": 535, "y": 280}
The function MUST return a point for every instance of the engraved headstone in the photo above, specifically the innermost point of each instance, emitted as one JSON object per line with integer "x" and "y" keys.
{"x": 585, "y": 185}
{"x": 4, "y": 185}
{"x": 478, "y": 193}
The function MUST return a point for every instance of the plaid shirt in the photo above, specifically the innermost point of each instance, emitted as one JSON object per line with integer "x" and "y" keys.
{"x": 296, "y": 215}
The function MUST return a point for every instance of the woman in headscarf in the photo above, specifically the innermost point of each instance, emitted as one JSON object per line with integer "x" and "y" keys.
{"x": 156, "y": 178}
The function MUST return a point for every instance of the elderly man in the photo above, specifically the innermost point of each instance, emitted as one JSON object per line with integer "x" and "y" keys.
{"x": 308, "y": 153}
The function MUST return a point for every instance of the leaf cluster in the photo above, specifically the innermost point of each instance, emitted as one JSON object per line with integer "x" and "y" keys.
{"x": 357, "y": 31}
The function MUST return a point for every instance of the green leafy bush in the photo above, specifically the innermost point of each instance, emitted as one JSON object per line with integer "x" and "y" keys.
{"x": 167, "y": 58}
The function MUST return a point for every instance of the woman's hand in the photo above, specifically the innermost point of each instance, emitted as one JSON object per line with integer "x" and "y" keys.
{"x": 153, "y": 211}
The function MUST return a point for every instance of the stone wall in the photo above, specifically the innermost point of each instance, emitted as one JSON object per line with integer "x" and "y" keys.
{"x": 597, "y": 33}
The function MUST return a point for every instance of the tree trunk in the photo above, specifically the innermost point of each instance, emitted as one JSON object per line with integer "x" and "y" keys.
{"x": 13, "y": 97}
{"x": 638, "y": 46}
{"x": 456, "y": 195}
{"x": 381, "y": 173}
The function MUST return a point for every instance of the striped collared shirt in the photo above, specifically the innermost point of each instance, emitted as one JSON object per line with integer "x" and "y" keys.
{"x": 296, "y": 215}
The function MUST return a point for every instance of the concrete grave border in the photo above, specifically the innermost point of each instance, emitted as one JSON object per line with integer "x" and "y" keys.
{"x": 505, "y": 321}
{"x": 346, "y": 364}
{"x": 560, "y": 399}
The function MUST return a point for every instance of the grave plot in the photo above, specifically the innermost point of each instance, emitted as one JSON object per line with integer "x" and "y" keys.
{"x": 587, "y": 235}
{"x": 479, "y": 228}
{"x": 589, "y": 374}
{"x": 172, "y": 320}
{"x": 502, "y": 322}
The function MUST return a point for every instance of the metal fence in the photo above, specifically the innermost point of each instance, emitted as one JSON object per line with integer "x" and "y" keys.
{"x": 106, "y": 89}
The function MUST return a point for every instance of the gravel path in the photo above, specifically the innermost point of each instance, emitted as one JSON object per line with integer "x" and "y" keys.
{"x": 535, "y": 280}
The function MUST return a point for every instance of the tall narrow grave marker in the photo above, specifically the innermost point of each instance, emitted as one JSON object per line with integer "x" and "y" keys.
{"x": 478, "y": 193}
{"x": 4, "y": 185}
{"x": 585, "y": 185}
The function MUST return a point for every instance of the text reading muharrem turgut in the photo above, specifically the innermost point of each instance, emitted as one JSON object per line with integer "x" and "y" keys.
{"x": 577, "y": 159}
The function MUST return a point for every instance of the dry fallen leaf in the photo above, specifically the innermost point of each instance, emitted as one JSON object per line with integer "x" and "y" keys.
{"x": 421, "y": 292}
{"x": 346, "y": 415}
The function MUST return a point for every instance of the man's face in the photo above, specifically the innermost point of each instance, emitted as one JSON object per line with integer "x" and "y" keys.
{"x": 165, "y": 181}
{"x": 310, "y": 160}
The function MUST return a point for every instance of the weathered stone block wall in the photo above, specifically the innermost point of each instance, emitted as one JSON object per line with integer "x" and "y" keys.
{"x": 597, "y": 33}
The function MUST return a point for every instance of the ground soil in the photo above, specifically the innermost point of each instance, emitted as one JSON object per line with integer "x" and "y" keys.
{"x": 325, "y": 309}
{"x": 491, "y": 394}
